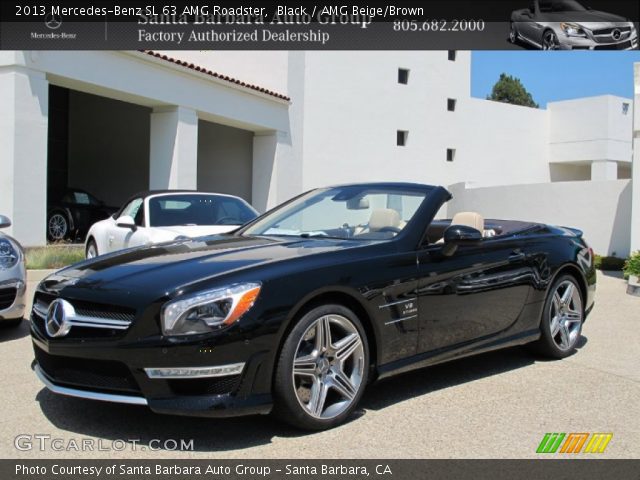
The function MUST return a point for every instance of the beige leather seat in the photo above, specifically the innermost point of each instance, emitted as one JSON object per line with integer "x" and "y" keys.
{"x": 470, "y": 219}
{"x": 473, "y": 220}
{"x": 381, "y": 218}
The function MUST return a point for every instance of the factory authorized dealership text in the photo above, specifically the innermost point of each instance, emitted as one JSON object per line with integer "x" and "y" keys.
{"x": 264, "y": 35}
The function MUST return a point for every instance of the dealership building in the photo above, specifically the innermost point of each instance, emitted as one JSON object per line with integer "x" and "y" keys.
{"x": 267, "y": 125}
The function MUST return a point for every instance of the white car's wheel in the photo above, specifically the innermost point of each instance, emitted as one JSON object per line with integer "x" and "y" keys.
{"x": 92, "y": 249}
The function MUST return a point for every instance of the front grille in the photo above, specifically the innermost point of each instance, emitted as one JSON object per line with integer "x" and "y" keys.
{"x": 205, "y": 386}
{"x": 7, "y": 297}
{"x": 609, "y": 31}
{"x": 614, "y": 46}
{"x": 88, "y": 309}
{"x": 101, "y": 375}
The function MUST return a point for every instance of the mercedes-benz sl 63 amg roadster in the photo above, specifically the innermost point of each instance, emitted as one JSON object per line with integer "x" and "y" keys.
{"x": 300, "y": 309}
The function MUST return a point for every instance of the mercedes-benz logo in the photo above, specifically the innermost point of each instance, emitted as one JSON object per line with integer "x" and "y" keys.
{"x": 58, "y": 316}
{"x": 53, "y": 21}
{"x": 616, "y": 34}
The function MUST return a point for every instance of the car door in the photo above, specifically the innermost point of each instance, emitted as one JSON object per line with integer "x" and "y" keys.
{"x": 528, "y": 26}
{"x": 125, "y": 237}
{"x": 477, "y": 292}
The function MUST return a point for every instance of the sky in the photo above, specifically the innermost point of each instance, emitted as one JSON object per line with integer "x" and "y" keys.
{"x": 552, "y": 76}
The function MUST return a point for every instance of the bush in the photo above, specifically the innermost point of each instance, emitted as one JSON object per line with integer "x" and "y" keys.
{"x": 632, "y": 265}
{"x": 609, "y": 263}
{"x": 53, "y": 256}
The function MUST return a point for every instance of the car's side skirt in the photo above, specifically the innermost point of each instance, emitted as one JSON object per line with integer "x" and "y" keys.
{"x": 459, "y": 351}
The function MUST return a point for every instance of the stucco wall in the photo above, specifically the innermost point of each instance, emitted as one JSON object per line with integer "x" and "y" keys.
{"x": 225, "y": 159}
{"x": 601, "y": 209}
{"x": 635, "y": 223}
{"x": 108, "y": 147}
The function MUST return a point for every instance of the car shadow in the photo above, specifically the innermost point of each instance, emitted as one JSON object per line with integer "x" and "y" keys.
{"x": 112, "y": 421}
{"x": 9, "y": 333}
{"x": 420, "y": 382}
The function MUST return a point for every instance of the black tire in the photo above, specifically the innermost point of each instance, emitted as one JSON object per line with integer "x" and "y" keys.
{"x": 91, "y": 244}
{"x": 513, "y": 33}
{"x": 10, "y": 323}
{"x": 548, "y": 344}
{"x": 287, "y": 406}
{"x": 58, "y": 226}
{"x": 550, "y": 40}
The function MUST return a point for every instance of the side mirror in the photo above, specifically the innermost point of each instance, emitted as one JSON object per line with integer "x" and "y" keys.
{"x": 4, "y": 222}
{"x": 456, "y": 235}
{"x": 126, "y": 221}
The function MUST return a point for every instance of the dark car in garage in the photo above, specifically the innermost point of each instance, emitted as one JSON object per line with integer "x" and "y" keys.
{"x": 72, "y": 211}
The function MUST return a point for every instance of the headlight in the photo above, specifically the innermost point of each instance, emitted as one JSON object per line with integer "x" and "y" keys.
{"x": 206, "y": 311}
{"x": 9, "y": 254}
{"x": 572, "y": 29}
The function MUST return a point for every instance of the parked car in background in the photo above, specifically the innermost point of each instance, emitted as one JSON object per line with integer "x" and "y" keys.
{"x": 13, "y": 279}
{"x": 298, "y": 310}
{"x": 71, "y": 212}
{"x": 568, "y": 25}
{"x": 161, "y": 216}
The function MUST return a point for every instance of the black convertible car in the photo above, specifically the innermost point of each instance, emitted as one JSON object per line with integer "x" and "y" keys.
{"x": 298, "y": 310}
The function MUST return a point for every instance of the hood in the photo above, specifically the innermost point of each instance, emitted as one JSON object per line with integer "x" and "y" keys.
{"x": 163, "y": 268}
{"x": 591, "y": 19}
{"x": 192, "y": 231}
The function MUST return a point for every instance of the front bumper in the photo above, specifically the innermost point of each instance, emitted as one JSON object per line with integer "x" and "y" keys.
{"x": 584, "y": 43}
{"x": 16, "y": 288}
{"x": 79, "y": 369}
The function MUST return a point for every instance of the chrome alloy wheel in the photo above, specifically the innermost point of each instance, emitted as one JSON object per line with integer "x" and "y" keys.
{"x": 550, "y": 41}
{"x": 57, "y": 226}
{"x": 565, "y": 315}
{"x": 513, "y": 33}
{"x": 328, "y": 366}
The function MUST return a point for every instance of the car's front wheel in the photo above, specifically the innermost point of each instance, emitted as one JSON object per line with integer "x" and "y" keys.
{"x": 322, "y": 369}
{"x": 550, "y": 41}
{"x": 562, "y": 318}
{"x": 92, "y": 249}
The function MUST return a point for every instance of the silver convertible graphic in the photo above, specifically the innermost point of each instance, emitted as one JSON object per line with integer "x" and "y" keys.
{"x": 568, "y": 25}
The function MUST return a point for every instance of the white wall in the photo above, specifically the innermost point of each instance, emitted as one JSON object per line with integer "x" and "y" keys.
{"x": 601, "y": 209}
{"x": 225, "y": 159}
{"x": 590, "y": 129}
{"x": 108, "y": 147}
{"x": 635, "y": 221}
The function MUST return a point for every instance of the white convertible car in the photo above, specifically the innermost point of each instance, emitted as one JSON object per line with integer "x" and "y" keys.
{"x": 160, "y": 216}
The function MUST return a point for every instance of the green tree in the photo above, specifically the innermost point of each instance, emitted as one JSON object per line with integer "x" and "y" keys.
{"x": 509, "y": 89}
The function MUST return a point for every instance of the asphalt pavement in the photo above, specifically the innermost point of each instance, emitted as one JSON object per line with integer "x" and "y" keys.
{"x": 495, "y": 405}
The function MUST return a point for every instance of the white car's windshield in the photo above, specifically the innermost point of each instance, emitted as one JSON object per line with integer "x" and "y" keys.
{"x": 351, "y": 212}
{"x": 190, "y": 209}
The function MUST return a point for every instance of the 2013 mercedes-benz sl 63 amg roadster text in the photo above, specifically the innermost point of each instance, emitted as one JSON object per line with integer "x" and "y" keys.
{"x": 299, "y": 309}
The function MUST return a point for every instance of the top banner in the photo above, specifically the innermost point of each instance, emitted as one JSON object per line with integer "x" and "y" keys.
{"x": 434, "y": 25}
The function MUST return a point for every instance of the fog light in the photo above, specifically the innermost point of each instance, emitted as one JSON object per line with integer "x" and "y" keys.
{"x": 195, "y": 372}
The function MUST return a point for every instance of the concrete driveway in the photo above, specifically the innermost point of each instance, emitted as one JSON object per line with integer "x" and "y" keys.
{"x": 497, "y": 405}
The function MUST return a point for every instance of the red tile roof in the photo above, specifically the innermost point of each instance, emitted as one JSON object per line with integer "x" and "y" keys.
{"x": 226, "y": 78}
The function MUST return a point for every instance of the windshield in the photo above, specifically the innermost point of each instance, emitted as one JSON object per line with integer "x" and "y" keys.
{"x": 188, "y": 209}
{"x": 352, "y": 212}
{"x": 560, "y": 6}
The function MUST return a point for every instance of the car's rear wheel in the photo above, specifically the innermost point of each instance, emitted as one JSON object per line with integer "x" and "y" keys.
{"x": 92, "y": 249}
{"x": 513, "y": 33}
{"x": 562, "y": 318}
{"x": 57, "y": 226}
{"x": 322, "y": 369}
